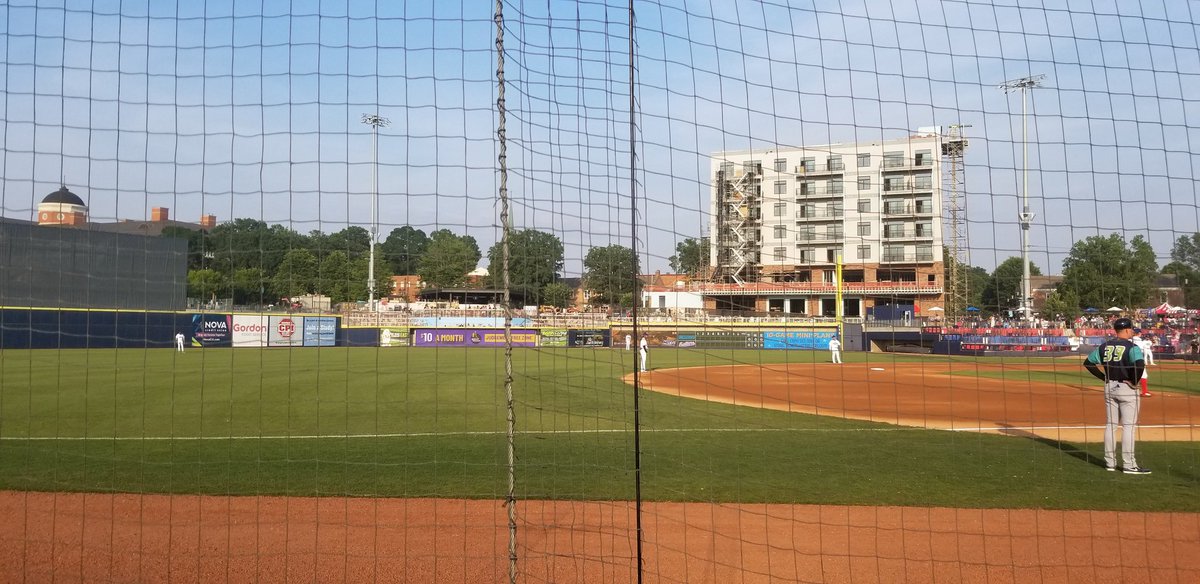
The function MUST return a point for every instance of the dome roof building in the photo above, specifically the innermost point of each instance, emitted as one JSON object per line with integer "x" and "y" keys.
{"x": 62, "y": 207}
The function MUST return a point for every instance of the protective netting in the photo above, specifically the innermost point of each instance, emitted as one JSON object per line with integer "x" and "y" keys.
{"x": 559, "y": 291}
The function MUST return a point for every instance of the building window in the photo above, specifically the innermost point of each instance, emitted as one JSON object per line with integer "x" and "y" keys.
{"x": 808, "y": 164}
{"x": 922, "y": 158}
{"x": 924, "y": 206}
{"x": 806, "y": 232}
{"x": 781, "y": 232}
{"x": 835, "y": 186}
{"x": 893, "y": 253}
{"x": 864, "y": 183}
{"x": 781, "y": 254}
{"x": 924, "y": 230}
{"x": 893, "y": 159}
{"x": 752, "y": 166}
{"x": 780, "y": 165}
{"x": 864, "y": 205}
{"x": 829, "y": 276}
{"x": 925, "y": 252}
{"x": 780, "y": 187}
{"x": 923, "y": 182}
{"x": 864, "y": 252}
{"x": 834, "y": 231}
{"x": 727, "y": 168}
{"x": 780, "y": 209}
{"x": 806, "y": 256}
{"x": 864, "y": 160}
{"x": 834, "y": 163}
{"x": 806, "y": 211}
{"x": 864, "y": 230}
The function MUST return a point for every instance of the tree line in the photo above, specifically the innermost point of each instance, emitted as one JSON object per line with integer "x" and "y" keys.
{"x": 1099, "y": 272}
{"x": 252, "y": 262}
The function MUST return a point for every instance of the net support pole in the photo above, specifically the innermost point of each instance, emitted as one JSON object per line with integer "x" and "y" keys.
{"x": 637, "y": 301}
{"x": 510, "y": 500}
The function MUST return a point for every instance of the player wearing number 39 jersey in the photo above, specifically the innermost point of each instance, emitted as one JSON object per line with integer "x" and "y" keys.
{"x": 1120, "y": 363}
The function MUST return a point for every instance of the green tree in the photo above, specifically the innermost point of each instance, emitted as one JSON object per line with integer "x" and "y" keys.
{"x": 1186, "y": 251}
{"x": 448, "y": 259}
{"x": 1062, "y": 304}
{"x": 1188, "y": 279}
{"x": 691, "y": 256}
{"x": 296, "y": 275}
{"x": 333, "y": 277}
{"x": 610, "y": 272}
{"x": 403, "y": 248}
{"x": 205, "y": 284}
{"x": 557, "y": 294}
{"x": 358, "y": 279}
{"x": 353, "y": 242}
{"x": 1003, "y": 288}
{"x": 535, "y": 259}
{"x": 250, "y": 243}
{"x": 1106, "y": 271}
{"x": 249, "y": 286}
{"x": 975, "y": 278}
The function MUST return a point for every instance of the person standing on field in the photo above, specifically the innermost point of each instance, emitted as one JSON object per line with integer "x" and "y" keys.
{"x": 628, "y": 341}
{"x": 1147, "y": 347}
{"x": 643, "y": 351}
{"x": 835, "y": 350}
{"x": 1119, "y": 363}
{"x": 179, "y": 342}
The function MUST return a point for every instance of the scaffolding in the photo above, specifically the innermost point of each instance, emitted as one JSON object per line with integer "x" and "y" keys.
{"x": 954, "y": 144}
{"x": 739, "y": 196}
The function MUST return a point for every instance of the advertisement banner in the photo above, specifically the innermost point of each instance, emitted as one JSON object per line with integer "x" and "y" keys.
{"x": 249, "y": 330}
{"x": 554, "y": 337}
{"x": 320, "y": 331}
{"x": 693, "y": 338}
{"x": 588, "y": 338}
{"x": 473, "y": 337}
{"x": 212, "y": 330}
{"x": 797, "y": 339}
{"x": 393, "y": 336}
{"x": 285, "y": 331}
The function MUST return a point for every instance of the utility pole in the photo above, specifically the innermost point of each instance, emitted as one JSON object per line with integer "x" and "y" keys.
{"x": 1024, "y": 84}
{"x": 375, "y": 121}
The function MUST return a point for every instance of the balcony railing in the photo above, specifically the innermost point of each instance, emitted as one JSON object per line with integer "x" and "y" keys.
{"x": 820, "y": 169}
{"x": 908, "y": 210}
{"x": 908, "y": 234}
{"x": 906, "y": 187}
{"x": 898, "y": 163}
{"x": 819, "y": 237}
{"x": 906, "y": 257}
{"x": 820, "y": 191}
{"x": 821, "y": 214}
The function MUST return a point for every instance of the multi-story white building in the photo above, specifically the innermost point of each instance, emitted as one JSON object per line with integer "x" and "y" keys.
{"x": 780, "y": 218}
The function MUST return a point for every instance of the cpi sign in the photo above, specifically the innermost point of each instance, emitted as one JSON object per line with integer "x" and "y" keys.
{"x": 285, "y": 331}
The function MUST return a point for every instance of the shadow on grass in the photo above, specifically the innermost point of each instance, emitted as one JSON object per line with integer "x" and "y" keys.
{"x": 1068, "y": 448}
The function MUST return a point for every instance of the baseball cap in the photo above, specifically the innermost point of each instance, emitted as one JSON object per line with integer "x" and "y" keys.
{"x": 1121, "y": 324}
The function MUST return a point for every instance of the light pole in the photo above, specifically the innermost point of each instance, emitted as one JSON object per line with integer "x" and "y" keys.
{"x": 1024, "y": 84}
{"x": 375, "y": 121}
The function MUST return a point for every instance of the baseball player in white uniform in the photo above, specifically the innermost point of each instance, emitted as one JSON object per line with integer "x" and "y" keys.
{"x": 179, "y": 342}
{"x": 835, "y": 350}
{"x": 644, "y": 350}
{"x": 1147, "y": 347}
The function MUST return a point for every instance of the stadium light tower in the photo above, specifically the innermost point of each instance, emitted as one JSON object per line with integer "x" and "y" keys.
{"x": 375, "y": 121}
{"x": 1024, "y": 84}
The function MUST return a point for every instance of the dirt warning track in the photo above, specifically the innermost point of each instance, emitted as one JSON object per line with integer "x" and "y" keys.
{"x": 945, "y": 395}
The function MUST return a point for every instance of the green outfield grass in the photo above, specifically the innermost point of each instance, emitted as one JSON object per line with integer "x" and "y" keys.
{"x": 430, "y": 422}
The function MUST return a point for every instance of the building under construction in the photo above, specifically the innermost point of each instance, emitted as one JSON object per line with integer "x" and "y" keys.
{"x": 782, "y": 218}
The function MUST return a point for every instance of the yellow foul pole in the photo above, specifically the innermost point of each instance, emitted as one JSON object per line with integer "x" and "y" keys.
{"x": 838, "y": 313}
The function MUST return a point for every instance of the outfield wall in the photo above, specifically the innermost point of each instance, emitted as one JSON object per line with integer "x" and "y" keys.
{"x": 52, "y": 328}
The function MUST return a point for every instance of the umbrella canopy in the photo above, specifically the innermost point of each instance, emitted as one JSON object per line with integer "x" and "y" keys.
{"x": 1091, "y": 310}
{"x": 936, "y": 309}
{"x": 972, "y": 309}
{"x": 1115, "y": 309}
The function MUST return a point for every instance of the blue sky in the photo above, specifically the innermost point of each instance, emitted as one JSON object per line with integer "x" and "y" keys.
{"x": 252, "y": 109}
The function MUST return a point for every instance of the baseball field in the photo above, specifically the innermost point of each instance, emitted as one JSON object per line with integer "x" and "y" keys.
{"x": 340, "y": 464}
